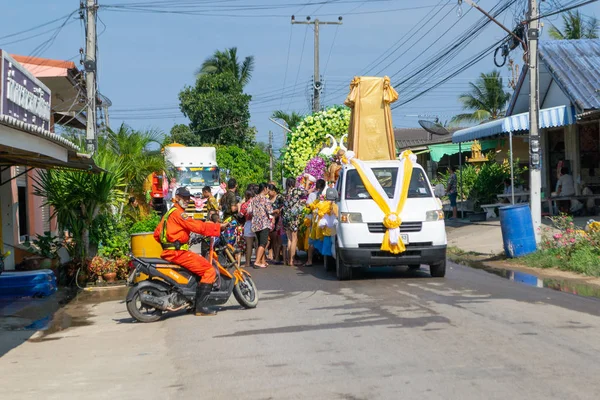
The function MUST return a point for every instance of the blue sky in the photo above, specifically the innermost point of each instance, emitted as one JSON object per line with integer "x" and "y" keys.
{"x": 145, "y": 59}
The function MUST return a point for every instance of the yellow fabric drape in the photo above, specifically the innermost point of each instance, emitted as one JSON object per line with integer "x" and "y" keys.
{"x": 392, "y": 218}
{"x": 371, "y": 119}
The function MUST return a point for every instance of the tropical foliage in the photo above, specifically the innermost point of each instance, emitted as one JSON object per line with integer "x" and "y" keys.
{"x": 218, "y": 111}
{"x": 309, "y": 136}
{"x": 250, "y": 165}
{"x": 140, "y": 152}
{"x": 227, "y": 62}
{"x": 482, "y": 184}
{"x": 78, "y": 198}
{"x": 291, "y": 120}
{"x": 485, "y": 101}
{"x": 575, "y": 26}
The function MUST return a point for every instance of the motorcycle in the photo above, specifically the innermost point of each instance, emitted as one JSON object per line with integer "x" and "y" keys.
{"x": 158, "y": 286}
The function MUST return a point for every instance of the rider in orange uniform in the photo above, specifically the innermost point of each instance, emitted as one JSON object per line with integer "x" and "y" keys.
{"x": 173, "y": 233}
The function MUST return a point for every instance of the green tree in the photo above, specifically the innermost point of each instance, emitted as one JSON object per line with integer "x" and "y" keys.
{"x": 218, "y": 111}
{"x": 575, "y": 26}
{"x": 291, "y": 120}
{"x": 486, "y": 100}
{"x": 227, "y": 62}
{"x": 181, "y": 133}
{"x": 246, "y": 165}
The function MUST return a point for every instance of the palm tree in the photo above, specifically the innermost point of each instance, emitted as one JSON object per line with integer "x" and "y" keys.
{"x": 485, "y": 101}
{"x": 291, "y": 120}
{"x": 575, "y": 26}
{"x": 139, "y": 158}
{"x": 227, "y": 61}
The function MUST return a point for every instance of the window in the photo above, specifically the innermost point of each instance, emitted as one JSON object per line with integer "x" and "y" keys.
{"x": 23, "y": 225}
{"x": 387, "y": 177}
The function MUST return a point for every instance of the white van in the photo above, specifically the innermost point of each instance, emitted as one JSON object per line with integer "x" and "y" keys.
{"x": 360, "y": 229}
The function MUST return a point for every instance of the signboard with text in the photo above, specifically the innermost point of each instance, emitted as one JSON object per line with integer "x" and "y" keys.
{"x": 22, "y": 96}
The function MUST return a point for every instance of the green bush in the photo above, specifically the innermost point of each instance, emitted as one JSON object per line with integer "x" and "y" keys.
{"x": 146, "y": 224}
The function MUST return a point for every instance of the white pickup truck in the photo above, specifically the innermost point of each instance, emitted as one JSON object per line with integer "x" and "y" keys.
{"x": 360, "y": 229}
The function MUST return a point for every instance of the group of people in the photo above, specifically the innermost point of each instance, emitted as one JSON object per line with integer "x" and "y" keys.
{"x": 266, "y": 221}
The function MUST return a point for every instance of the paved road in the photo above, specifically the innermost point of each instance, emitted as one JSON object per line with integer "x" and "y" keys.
{"x": 393, "y": 334}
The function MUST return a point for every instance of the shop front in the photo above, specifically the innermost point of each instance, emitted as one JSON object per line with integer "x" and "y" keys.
{"x": 26, "y": 143}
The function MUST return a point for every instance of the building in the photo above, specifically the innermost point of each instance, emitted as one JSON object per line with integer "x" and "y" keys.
{"x": 28, "y": 113}
{"x": 569, "y": 90}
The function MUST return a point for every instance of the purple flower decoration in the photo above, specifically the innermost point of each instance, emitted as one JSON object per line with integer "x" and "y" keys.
{"x": 316, "y": 167}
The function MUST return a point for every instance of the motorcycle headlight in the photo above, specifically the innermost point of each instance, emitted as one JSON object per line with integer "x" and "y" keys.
{"x": 434, "y": 215}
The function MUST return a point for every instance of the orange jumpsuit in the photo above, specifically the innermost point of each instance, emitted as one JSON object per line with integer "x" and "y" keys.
{"x": 178, "y": 228}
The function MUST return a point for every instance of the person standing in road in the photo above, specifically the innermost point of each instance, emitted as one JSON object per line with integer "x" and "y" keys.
{"x": 314, "y": 197}
{"x": 261, "y": 223}
{"x": 451, "y": 190}
{"x": 246, "y": 212}
{"x": 212, "y": 207}
{"x": 229, "y": 204}
{"x": 293, "y": 206}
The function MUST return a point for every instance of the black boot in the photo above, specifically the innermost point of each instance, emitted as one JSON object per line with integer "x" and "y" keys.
{"x": 202, "y": 292}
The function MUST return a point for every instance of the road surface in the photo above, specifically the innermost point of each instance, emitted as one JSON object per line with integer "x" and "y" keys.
{"x": 393, "y": 334}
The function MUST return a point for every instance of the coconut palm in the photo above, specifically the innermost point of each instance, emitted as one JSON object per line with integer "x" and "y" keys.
{"x": 486, "y": 100}
{"x": 227, "y": 61}
{"x": 575, "y": 26}
{"x": 290, "y": 120}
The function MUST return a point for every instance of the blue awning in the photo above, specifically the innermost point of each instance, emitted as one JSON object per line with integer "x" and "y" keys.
{"x": 549, "y": 118}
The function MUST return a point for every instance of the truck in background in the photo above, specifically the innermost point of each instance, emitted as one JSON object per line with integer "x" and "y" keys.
{"x": 192, "y": 167}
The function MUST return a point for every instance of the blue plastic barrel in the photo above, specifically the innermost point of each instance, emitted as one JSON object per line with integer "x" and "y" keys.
{"x": 517, "y": 230}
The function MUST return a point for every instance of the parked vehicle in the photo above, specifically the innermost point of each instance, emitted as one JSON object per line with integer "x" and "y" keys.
{"x": 360, "y": 231}
{"x": 193, "y": 167}
{"x": 159, "y": 286}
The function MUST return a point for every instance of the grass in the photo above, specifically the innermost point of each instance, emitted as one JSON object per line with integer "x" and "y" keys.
{"x": 584, "y": 260}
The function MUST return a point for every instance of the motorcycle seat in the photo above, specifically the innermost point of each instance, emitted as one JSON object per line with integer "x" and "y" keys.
{"x": 163, "y": 263}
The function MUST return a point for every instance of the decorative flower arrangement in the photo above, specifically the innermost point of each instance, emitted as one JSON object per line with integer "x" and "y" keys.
{"x": 309, "y": 136}
{"x": 316, "y": 167}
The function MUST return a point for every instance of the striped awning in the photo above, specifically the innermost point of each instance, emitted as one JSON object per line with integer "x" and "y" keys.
{"x": 549, "y": 118}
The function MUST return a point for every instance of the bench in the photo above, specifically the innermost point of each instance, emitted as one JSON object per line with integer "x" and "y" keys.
{"x": 490, "y": 209}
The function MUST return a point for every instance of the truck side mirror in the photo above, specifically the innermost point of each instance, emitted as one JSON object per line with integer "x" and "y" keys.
{"x": 331, "y": 194}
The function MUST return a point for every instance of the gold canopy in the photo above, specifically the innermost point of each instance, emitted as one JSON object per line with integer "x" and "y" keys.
{"x": 371, "y": 133}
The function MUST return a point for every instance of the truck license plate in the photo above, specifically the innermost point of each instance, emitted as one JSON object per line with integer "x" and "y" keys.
{"x": 404, "y": 238}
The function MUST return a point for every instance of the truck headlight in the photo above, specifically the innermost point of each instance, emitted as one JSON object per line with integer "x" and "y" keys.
{"x": 434, "y": 215}
{"x": 351, "y": 218}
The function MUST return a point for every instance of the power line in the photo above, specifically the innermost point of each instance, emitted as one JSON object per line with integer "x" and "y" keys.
{"x": 300, "y": 63}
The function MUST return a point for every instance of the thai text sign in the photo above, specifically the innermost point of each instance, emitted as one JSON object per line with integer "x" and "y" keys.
{"x": 23, "y": 97}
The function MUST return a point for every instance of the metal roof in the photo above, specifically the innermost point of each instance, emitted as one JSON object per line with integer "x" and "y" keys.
{"x": 575, "y": 64}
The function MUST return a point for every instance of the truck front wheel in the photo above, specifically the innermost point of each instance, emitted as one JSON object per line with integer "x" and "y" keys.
{"x": 438, "y": 270}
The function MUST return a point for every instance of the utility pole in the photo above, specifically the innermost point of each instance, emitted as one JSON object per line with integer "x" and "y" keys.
{"x": 317, "y": 84}
{"x": 270, "y": 156}
{"x": 90, "y": 74}
{"x": 535, "y": 174}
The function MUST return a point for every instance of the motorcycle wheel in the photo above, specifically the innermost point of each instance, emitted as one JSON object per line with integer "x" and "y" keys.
{"x": 140, "y": 311}
{"x": 245, "y": 293}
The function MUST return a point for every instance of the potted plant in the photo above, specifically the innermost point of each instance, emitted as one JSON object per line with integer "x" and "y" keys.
{"x": 103, "y": 268}
{"x": 46, "y": 246}
{"x": 110, "y": 271}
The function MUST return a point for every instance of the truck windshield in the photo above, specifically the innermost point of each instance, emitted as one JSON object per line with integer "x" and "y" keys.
{"x": 355, "y": 189}
{"x": 200, "y": 176}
